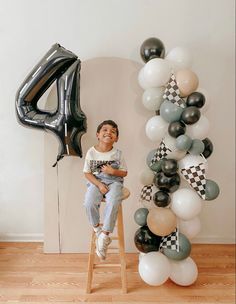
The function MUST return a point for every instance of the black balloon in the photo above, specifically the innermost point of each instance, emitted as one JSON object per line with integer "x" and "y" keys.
{"x": 176, "y": 128}
{"x": 67, "y": 122}
{"x": 161, "y": 199}
{"x": 146, "y": 241}
{"x": 152, "y": 48}
{"x": 190, "y": 115}
{"x": 169, "y": 166}
{"x": 196, "y": 99}
{"x": 208, "y": 147}
{"x": 167, "y": 183}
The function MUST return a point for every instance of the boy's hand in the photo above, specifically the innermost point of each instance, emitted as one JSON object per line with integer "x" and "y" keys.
{"x": 107, "y": 169}
{"x": 103, "y": 188}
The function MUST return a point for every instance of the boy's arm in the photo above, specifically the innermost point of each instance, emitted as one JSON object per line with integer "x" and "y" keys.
{"x": 109, "y": 170}
{"x": 92, "y": 179}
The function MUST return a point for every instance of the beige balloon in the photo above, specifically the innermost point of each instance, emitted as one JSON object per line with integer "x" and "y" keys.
{"x": 161, "y": 221}
{"x": 187, "y": 82}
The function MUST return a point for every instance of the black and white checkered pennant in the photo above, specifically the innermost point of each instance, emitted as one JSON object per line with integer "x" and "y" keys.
{"x": 195, "y": 176}
{"x": 161, "y": 152}
{"x": 172, "y": 93}
{"x": 171, "y": 241}
{"x": 146, "y": 193}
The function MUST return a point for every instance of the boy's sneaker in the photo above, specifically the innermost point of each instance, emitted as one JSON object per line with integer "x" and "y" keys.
{"x": 97, "y": 230}
{"x": 102, "y": 243}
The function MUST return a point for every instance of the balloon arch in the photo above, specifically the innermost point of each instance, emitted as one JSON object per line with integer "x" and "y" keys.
{"x": 169, "y": 219}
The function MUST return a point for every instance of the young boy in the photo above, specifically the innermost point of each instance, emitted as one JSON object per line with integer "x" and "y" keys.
{"x": 105, "y": 170}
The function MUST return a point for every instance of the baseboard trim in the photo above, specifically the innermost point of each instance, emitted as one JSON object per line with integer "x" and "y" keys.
{"x": 23, "y": 237}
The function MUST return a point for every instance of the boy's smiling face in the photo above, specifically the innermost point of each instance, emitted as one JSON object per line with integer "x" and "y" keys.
{"x": 107, "y": 134}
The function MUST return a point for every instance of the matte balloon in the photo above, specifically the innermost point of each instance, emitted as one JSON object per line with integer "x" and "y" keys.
{"x": 190, "y": 228}
{"x": 183, "y": 142}
{"x": 197, "y": 147}
{"x": 157, "y": 72}
{"x": 184, "y": 249}
{"x": 184, "y": 272}
{"x": 196, "y": 99}
{"x": 186, "y": 203}
{"x": 142, "y": 81}
{"x": 161, "y": 199}
{"x": 180, "y": 58}
{"x": 212, "y": 190}
{"x": 156, "y": 166}
{"x": 172, "y": 151}
{"x": 161, "y": 221}
{"x": 176, "y": 128}
{"x": 146, "y": 176}
{"x": 208, "y": 147}
{"x": 167, "y": 183}
{"x": 150, "y": 156}
{"x": 146, "y": 241}
{"x": 140, "y": 216}
{"x": 200, "y": 129}
{"x": 170, "y": 112}
{"x": 156, "y": 128}
{"x": 187, "y": 82}
{"x": 192, "y": 160}
{"x": 153, "y": 98}
{"x": 154, "y": 268}
{"x": 152, "y": 48}
{"x": 169, "y": 166}
{"x": 190, "y": 115}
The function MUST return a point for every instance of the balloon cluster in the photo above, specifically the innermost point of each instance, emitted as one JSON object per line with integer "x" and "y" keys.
{"x": 169, "y": 219}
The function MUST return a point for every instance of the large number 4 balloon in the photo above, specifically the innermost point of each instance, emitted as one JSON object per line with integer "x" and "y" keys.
{"x": 67, "y": 122}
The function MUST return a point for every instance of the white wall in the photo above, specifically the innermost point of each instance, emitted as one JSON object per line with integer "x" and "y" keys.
{"x": 106, "y": 28}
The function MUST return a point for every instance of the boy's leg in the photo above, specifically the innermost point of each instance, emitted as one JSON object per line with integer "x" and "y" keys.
{"x": 93, "y": 198}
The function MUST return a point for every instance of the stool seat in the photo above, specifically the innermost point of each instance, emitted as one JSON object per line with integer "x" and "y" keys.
{"x": 120, "y": 247}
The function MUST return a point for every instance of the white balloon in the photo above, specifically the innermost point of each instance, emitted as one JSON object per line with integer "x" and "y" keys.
{"x": 184, "y": 272}
{"x": 141, "y": 80}
{"x": 156, "y": 127}
{"x": 157, "y": 72}
{"x": 146, "y": 176}
{"x": 199, "y": 130}
{"x": 154, "y": 268}
{"x": 186, "y": 203}
{"x": 153, "y": 98}
{"x": 180, "y": 58}
{"x": 207, "y": 104}
{"x": 141, "y": 255}
{"x": 192, "y": 160}
{"x": 190, "y": 228}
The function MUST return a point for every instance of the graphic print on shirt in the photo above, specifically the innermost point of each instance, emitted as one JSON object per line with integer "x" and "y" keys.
{"x": 96, "y": 165}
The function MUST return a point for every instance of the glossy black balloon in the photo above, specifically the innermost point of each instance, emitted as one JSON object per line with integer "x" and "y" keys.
{"x": 208, "y": 147}
{"x": 67, "y": 122}
{"x": 176, "y": 128}
{"x": 161, "y": 199}
{"x": 167, "y": 183}
{"x": 152, "y": 48}
{"x": 146, "y": 241}
{"x": 169, "y": 166}
{"x": 196, "y": 99}
{"x": 190, "y": 115}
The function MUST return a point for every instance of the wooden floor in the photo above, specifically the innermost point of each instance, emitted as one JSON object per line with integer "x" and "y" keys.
{"x": 27, "y": 275}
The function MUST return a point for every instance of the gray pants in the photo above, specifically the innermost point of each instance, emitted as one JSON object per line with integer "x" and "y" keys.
{"x": 113, "y": 199}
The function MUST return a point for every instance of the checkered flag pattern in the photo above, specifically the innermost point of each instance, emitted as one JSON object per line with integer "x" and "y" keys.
{"x": 195, "y": 176}
{"x": 172, "y": 93}
{"x": 146, "y": 193}
{"x": 171, "y": 241}
{"x": 161, "y": 152}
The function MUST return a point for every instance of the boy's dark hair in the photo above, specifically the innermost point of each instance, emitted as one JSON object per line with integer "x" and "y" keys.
{"x": 108, "y": 122}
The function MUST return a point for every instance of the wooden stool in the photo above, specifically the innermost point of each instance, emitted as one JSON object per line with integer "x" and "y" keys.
{"x": 120, "y": 247}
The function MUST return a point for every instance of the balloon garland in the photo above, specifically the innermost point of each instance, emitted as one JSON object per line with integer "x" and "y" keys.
{"x": 169, "y": 219}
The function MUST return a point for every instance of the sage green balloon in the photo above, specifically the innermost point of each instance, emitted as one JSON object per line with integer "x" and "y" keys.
{"x": 184, "y": 249}
{"x": 156, "y": 166}
{"x": 183, "y": 142}
{"x": 150, "y": 156}
{"x": 197, "y": 147}
{"x": 212, "y": 190}
{"x": 140, "y": 216}
{"x": 170, "y": 112}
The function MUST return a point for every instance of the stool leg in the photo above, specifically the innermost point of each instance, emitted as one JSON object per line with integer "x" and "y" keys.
{"x": 120, "y": 232}
{"x": 90, "y": 263}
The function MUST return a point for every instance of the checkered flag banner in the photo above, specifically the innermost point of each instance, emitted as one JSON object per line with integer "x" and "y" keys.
{"x": 195, "y": 176}
{"x": 171, "y": 241}
{"x": 146, "y": 193}
{"x": 161, "y": 152}
{"x": 172, "y": 93}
